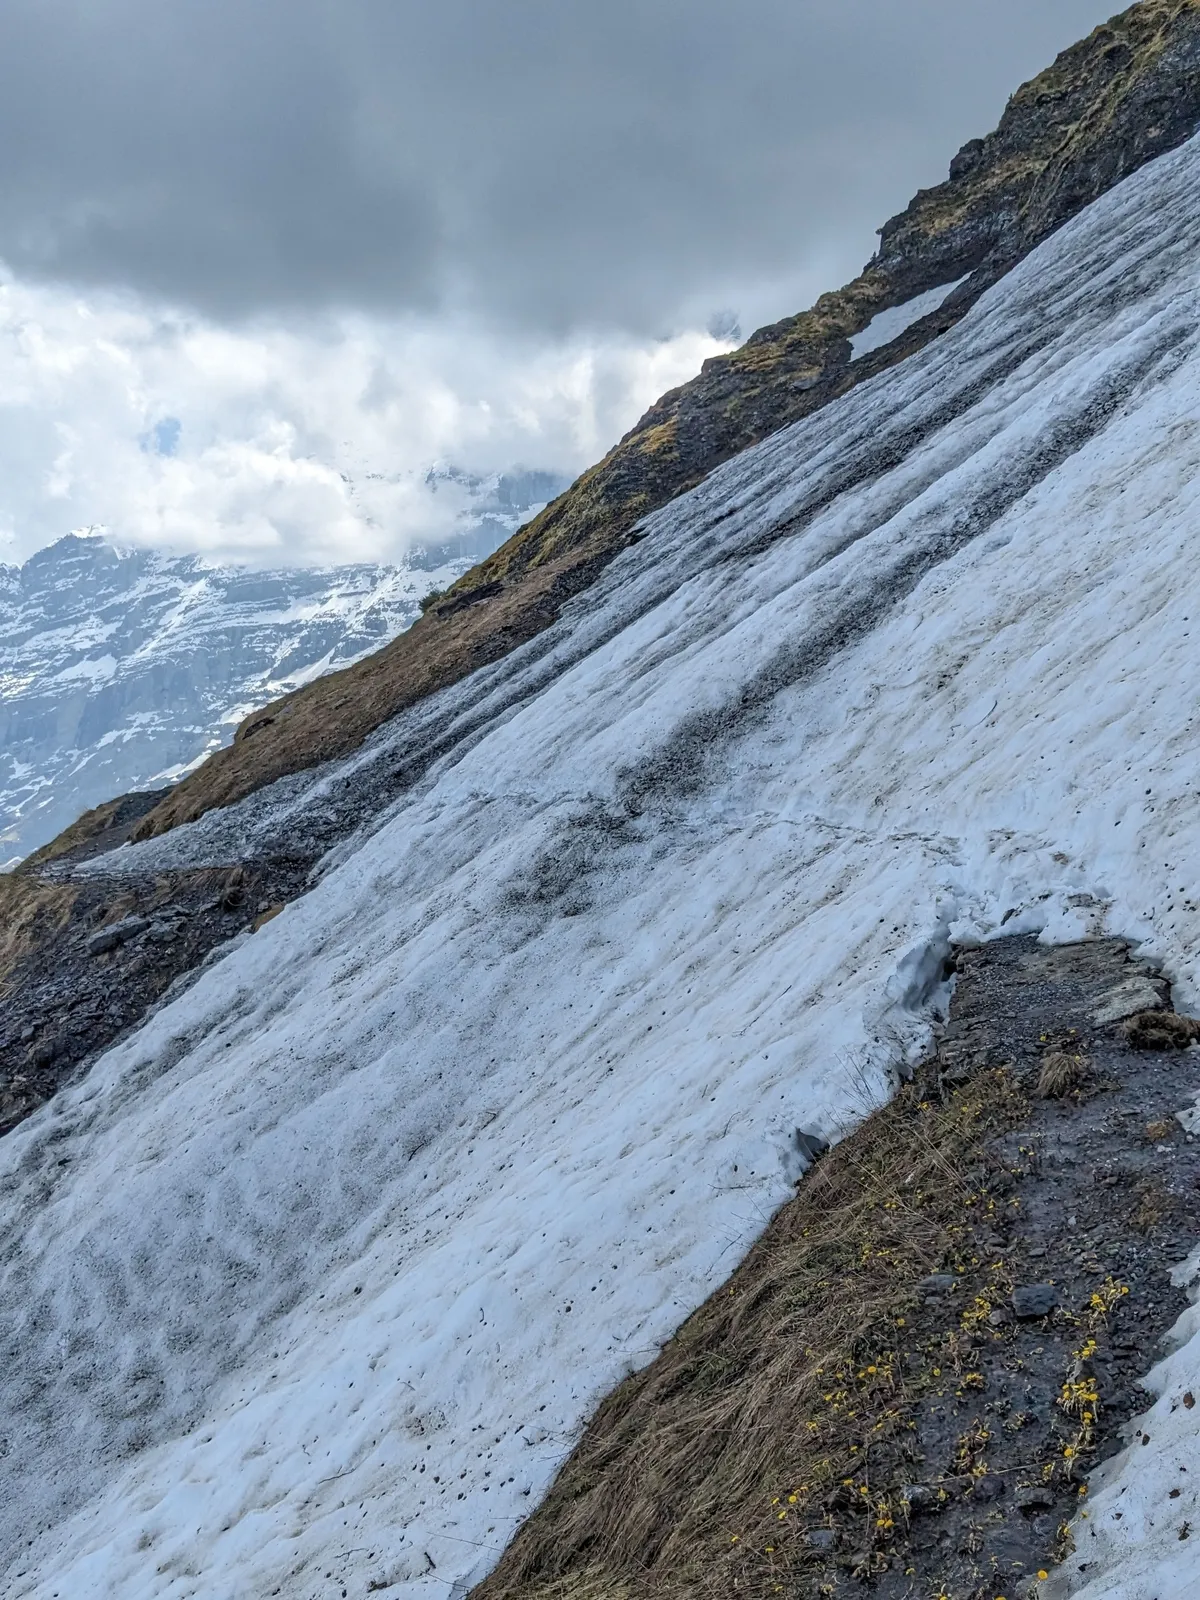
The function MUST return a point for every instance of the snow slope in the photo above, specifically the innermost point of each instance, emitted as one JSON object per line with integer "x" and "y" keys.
{"x": 311, "y": 1284}
{"x": 890, "y": 324}
{"x": 121, "y": 669}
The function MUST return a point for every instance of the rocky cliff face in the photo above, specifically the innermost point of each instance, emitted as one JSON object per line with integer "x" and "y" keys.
{"x": 121, "y": 670}
{"x": 1127, "y": 93}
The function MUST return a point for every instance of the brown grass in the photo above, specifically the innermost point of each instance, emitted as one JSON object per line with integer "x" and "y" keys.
{"x": 31, "y": 913}
{"x": 1060, "y": 1074}
{"x": 91, "y": 824}
{"x": 107, "y": 825}
{"x": 1161, "y": 1030}
{"x": 783, "y": 1400}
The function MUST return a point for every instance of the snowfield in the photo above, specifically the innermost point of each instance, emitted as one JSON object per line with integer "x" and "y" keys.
{"x": 310, "y": 1286}
{"x": 890, "y": 324}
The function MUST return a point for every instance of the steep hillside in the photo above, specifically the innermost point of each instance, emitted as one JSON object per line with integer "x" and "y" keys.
{"x": 1123, "y": 96}
{"x": 918, "y": 1371}
{"x": 316, "y": 1278}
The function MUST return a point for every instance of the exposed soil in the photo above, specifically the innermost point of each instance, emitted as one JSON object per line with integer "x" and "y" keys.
{"x": 903, "y": 1389}
{"x": 63, "y": 1000}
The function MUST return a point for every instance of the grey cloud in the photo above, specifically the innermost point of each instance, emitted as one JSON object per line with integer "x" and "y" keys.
{"x": 550, "y": 162}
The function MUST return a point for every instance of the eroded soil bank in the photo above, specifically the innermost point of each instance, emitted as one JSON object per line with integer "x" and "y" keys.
{"x": 905, "y": 1387}
{"x": 83, "y": 960}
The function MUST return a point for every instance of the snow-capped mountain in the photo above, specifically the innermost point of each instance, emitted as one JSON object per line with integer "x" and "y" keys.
{"x": 313, "y": 1281}
{"x": 121, "y": 669}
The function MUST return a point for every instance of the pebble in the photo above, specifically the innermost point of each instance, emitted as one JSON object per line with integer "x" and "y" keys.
{"x": 1035, "y": 1300}
{"x": 916, "y": 1495}
{"x": 116, "y": 934}
{"x": 989, "y": 1487}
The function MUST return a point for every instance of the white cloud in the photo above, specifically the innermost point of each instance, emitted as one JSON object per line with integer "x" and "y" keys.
{"x": 288, "y": 442}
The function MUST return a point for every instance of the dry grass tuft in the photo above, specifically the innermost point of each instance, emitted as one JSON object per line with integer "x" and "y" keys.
{"x": 1060, "y": 1075}
{"x": 31, "y": 913}
{"x": 1161, "y": 1030}
{"x": 783, "y": 1402}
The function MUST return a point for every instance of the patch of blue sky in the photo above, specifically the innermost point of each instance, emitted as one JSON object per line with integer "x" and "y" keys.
{"x": 163, "y": 437}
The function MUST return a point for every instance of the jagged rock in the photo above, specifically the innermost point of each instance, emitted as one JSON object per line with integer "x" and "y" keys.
{"x": 1034, "y": 1300}
{"x": 811, "y": 1146}
{"x": 1136, "y": 993}
{"x": 117, "y": 933}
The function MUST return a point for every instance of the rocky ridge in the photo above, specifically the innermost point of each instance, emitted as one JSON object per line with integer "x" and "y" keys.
{"x": 1127, "y": 93}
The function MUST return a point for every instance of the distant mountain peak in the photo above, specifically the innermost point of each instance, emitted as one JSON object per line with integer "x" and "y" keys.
{"x": 122, "y": 667}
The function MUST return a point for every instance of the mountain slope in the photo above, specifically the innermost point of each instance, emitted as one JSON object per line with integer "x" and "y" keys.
{"x": 861, "y": 1402}
{"x": 1124, "y": 95}
{"x": 317, "y": 1276}
{"x": 123, "y": 670}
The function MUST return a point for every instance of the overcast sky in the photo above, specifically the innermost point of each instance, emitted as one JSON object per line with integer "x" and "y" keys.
{"x": 253, "y": 249}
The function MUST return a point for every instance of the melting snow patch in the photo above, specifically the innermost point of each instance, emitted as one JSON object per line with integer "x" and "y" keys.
{"x": 1136, "y": 1540}
{"x": 890, "y": 324}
